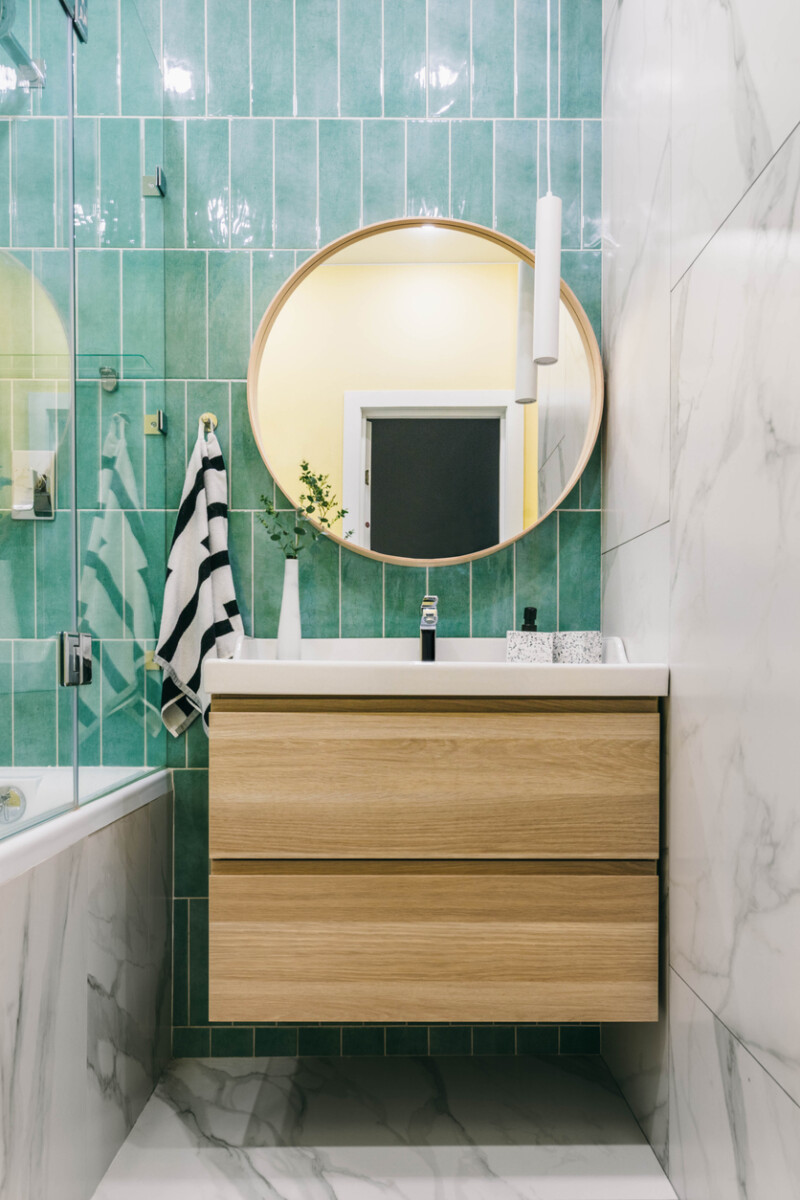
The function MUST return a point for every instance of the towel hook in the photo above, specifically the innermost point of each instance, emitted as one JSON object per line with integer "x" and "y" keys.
{"x": 209, "y": 421}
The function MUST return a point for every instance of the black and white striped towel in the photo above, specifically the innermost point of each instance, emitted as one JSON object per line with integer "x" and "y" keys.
{"x": 200, "y": 618}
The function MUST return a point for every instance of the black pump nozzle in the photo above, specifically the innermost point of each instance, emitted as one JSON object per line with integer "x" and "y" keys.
{"x": 529, "y": 624}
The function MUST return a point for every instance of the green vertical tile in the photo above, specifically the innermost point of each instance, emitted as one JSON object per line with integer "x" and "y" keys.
{"x": 251, "y": 183}
{"x": 127, "y": 400}
{"x": 145, "y": 571}
{"x": 18, "y": 610}
{"x": 35, "y": 704}
{"x": 196, "y": 744}
{"x": 493, "y": 594}
{"x": 87, "y": 428}
{"x": 296, "y": 184}
{"x": 450, "y": 1039}
{"x": 100, "y": 593}
{"x": 67, "y": 709}
{"x": 361, "y": 62}
{"x": 537, "y": 1039}
{"x": 583, "y": 270}
{"x": 227, "y": 76}
{"x": 98, "y": 65}
{"x": 191, "y": 832}
{"x": 578, "y": 570}
{"x": 592, "y": 184}
{"x": 157, "y": 752}
{"x": 231, "y": 1041}
{"x": 63, "y": 184}
{"x": 5, "y": 183}
{"x": 140, "y": 83}
{"x": 268, "y": 568}
{"x": 143, "y": 312}
{"x": 472, "y": 150}
{"x": 532, "y": 59}
{"x": 240, "y": 548}
{"x": 123, "y": 704}
{"x": 362, "y": 596}
{"x": 180, "y": 960}
{"x": 537, "y": 573}
{"x": 149, "y": 14}
{"x": 33, "y": 183}
{"x": 249, "y": 477}
{"x": 276, "y": 1041}
{"x": 155, "y": 457}
{"x": 270, "y": 272}
{"x": 166, "y": 458}
{"x": 493, "y": 60}
{"x": 207, "y": 197}
{"x": 6, "y": 448}
{"x": 53, "y": 269}
{"x": 565, "y": 165}
{"x": 86, "y": 152}
{"x": 98, "y": 317}
{"x": 184, "y": 36}
{"x": 363, "y": 1040}
{"x": 53, "y": 575}
{"x": 185, "y": 313}
{"x": 581, "y": 58}
{"x": 339, "y": 178}
{"x": 579, "y": 1039}
{"x": 50, "y": 43}
{"x": 591, "y": 480}
{"x": 154, "y": 155}
{"x": 191, "y": 1043}
{"x": 6, "y": 702}
{"x": 228, "y": 314}
{"x": 171, "y": 209}
{"x": 273, "y": 58}
{"x": 515, "y": 179}
{"x": 198, "y": 962}
{"x": 451, "y": 585}
{"x": 428, "y": 169}
{"x": 120, "y": 182}
{"x": 405, "y": 58}
{"x": 407, "y": 1039}
{"x": 493, "y": 1039}
{"x": 404, "y": 588}
{"x": 448, "y": 58}
{"x": 316, "y": 58}
{"x": 89, "y": 705}
{"x": 319, "y": 589}
{"x": 384, "y": 184}
{"x": 314, "y": 1041}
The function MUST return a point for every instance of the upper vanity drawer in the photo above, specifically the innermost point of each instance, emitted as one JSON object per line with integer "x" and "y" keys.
{"x": 434, "y": 785}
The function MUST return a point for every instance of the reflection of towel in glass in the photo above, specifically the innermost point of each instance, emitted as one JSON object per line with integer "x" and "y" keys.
{"x": 114, "y": 597}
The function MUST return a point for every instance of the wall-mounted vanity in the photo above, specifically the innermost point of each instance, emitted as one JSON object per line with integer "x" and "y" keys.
{"x": 466, "y": 840}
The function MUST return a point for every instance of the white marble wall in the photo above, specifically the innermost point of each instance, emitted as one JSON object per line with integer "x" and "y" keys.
{"x": 727, "y": 526}
{"x": 85, "y": 945}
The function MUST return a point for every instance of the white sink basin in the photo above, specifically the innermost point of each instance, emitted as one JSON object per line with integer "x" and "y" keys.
{"x": 391, "y": 667}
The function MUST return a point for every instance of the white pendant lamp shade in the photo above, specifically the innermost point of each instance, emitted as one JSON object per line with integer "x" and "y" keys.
{"x": 525, "y": 386}
{"x": 547, "y": 290}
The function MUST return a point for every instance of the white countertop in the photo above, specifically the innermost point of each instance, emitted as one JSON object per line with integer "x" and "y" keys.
{"x": 390, "y": 667}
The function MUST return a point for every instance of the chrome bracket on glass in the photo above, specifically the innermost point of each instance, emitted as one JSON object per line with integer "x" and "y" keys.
{"x": 74, "y": 659}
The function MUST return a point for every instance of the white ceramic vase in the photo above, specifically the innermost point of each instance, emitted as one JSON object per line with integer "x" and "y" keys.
{"x": 290, "y": 632}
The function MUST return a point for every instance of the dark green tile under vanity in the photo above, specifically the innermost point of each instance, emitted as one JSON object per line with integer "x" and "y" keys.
{"x": 180, "y": 959}
{"x": 452, "y": 586}
{"x": 579, "y": 570}
{"x": 191, "y": 1043}
{"x": 231, "y": 1042}
{"x": 471, "y": 171}
{"x": 537, "y": 574}
{"x": 339, "y": 178}
{"x": 363, "y": 1040}
{"x": 319, "y": 1039}
{"x": 537, "y": 1039}
{"x": 450, "y": 1039}
{"x": 384, "y": 177}
{"x": 198, "y": 961}
{"x": 360, "y": 57}
{"x": 362, "y": 596}
{"x": 493, "y": 1039}
{"x": 579, "y": 1039}
{"x": 191, "y": 832}
{"x": 278, "y": 1041}
{"x": 428, "y": 169}
{"x": 405, "y": 58}
{"x": 493, "y": 594}
{"x": 407, "y": 1039}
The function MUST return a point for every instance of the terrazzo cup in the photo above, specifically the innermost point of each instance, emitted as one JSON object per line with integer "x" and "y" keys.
{"x": 526, "y": 647}
{"x": 584, "y": 646}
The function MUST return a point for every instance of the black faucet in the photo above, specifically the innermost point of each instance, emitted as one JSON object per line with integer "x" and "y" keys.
{"x": 428, "y": 620}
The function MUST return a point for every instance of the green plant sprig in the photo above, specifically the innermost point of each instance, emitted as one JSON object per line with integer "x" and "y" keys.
{"x": 318, "y": 511}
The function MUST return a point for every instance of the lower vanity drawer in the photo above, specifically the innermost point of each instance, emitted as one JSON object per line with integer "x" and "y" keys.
{"x": 433, "y": 941}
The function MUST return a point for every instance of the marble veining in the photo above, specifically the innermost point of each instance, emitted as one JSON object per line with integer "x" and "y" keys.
{"x": 734, "y": 1134}
{"x": 734, "y": 818}
{"x": 351, "y": 1128}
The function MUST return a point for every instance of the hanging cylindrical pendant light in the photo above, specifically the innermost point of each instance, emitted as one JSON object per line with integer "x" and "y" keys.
{"x": 547, "y": 291}
{"x": 525, "y": 384}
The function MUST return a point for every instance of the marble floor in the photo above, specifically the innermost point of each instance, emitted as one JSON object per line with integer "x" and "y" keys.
{"x": 357, "y": 1128}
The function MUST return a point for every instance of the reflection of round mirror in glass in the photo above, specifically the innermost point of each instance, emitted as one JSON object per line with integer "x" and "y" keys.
{"x": 394, "y": 362}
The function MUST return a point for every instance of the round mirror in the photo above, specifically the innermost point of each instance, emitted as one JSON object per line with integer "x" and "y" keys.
{"x": 397, "y": 362}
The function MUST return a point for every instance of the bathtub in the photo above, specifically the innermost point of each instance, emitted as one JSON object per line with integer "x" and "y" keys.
{"x": 50, "y": 822}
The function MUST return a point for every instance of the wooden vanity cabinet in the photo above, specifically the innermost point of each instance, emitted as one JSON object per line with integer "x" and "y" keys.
{"x": 433, "y": 860}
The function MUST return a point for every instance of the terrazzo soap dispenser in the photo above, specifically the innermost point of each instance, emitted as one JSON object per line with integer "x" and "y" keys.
{"x": 528, "y": 645}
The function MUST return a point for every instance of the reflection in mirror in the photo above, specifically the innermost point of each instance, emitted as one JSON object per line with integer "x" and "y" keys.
{"x": 393, "y": 366}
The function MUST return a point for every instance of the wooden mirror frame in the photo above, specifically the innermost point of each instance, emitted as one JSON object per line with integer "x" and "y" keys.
{"x": 569, "y": 298}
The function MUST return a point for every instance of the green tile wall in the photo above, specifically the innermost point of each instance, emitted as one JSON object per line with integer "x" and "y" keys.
{"x": 335, "y": 115}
